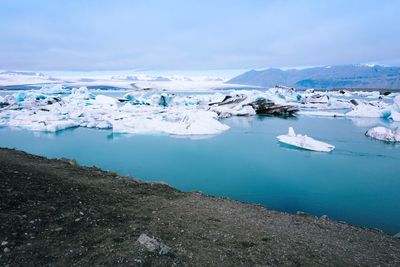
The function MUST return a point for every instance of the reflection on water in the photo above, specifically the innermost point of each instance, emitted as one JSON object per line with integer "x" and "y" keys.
{"x": 358, "y": 182}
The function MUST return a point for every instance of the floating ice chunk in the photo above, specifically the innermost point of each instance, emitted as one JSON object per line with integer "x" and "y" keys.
{"x": 305, "y": 142}
{"x": 81, "y": 93}
{"x": 369, "y": 111}
{"x": 136, "y": 98}
{"x": 44, "y": 126}
{"x": 200, "y": 122}
{"x": 20, "y": 96}
{"x": 106, "y": 100}
{"x": 53, "y": 89}
{"x": 341, "y": 103}
{"x": 165, "y": 100}
{"x": 384, "y": 134}
{"x": 196, "y": 122}
{"x": 291, "y": 132}
{"x": 236, "y": 110}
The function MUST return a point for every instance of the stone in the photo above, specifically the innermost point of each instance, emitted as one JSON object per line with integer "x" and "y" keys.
{"x": 325, "y": 217}
{"x": 354, "y": 102}
{"x": 153, "y": 245}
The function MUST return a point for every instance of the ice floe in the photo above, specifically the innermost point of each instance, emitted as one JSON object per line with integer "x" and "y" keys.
{"x": 304, "y": 142}
{"x": 383, "y": 134}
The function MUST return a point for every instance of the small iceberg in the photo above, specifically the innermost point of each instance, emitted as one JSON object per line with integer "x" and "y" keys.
{"x": 305, "y": 142}
{"x": 383, "y": 134}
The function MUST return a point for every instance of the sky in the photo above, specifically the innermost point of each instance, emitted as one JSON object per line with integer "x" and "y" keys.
{"x": 196, "y": 35}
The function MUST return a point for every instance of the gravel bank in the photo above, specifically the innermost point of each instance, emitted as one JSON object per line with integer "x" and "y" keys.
{"x": 53, "y": 212}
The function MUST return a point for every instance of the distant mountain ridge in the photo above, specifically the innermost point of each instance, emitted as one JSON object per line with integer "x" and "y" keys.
{"x": 330, "y": 77}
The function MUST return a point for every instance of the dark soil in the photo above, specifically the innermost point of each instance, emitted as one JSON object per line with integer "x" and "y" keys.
{"x": 53, "y": 212}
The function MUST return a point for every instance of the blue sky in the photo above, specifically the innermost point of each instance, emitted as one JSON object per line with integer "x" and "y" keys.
{"x": 196, "y": 35}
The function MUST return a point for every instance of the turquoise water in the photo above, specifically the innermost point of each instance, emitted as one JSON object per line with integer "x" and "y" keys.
{"x": 358, "y": 182}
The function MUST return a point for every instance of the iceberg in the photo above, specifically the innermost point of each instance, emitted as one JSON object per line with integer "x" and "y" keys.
{"x": 383, "y": 134}
{"x": 106, "y": 100}
{"x": 196, "y": 122}
{"x": 304, "y": 142}
{"x": 369, "y": 111}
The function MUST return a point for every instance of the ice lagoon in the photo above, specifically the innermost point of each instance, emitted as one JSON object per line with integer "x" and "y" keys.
{"x": 358, "y": 182}
{"x": 211, "y": 139}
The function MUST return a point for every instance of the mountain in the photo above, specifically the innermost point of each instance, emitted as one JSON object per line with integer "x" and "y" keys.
{"x": 345, "y": 76}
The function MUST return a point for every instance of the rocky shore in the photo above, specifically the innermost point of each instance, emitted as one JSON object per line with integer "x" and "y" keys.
{"x": 54, "y": 212}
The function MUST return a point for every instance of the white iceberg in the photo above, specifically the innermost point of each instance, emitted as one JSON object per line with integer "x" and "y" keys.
{"x": 383, "y": 134}
{"x": 305, "y": 142}
{"x": 197, "y": 122}
{"x": 369, "y": 111}
{"x": 106, "y": 100}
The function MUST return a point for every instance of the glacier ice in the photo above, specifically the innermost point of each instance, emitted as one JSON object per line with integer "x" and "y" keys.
{"x": 304, "y": 142}
{"x": 383, "y": 134}
{"x": 55, "y": 107}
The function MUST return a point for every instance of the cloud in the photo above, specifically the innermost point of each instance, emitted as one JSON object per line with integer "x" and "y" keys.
{"x": 87, "y": 35}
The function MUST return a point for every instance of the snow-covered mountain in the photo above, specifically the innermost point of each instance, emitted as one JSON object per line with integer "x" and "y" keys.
{"x": 329, "y": 77}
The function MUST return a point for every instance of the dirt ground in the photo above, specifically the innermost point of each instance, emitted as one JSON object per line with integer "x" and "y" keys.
{"x": 55, "y": 213}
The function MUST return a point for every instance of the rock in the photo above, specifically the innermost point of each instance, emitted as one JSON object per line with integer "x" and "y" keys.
{"x": 267, "y": 107}
{"x": 301, "y": 213}
{"x": 324, "y": 217}
{"x": 4, "y": 243}
{"x": 71, "y": 162}
{"x": 397, "y": 235}
{"x": 3, "y": 104}
{"x": 386, "y": 93}
{"x": 153, "y": 245}
{"x": 6, "y": 250}
{"x": 354, "y": 102}
{"x": 53, "y": 100}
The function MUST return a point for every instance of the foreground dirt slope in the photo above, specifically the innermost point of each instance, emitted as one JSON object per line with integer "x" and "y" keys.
{"x": 53, "y": 212}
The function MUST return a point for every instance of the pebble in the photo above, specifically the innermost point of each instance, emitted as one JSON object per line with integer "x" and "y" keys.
{"x": 4, "y": 243}
{"x": 6, "y": 250}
